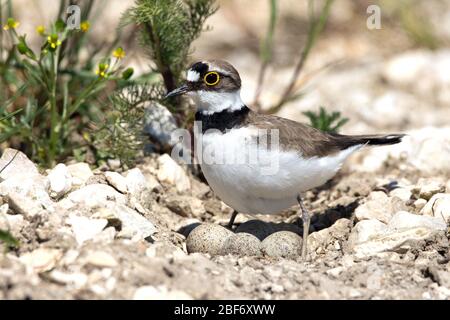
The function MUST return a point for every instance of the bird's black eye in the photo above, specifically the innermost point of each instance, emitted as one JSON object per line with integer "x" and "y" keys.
{"x": 211, "y": 78}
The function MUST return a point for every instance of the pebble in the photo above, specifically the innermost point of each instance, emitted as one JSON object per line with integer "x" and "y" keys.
{"x": 134, "y": 225}
{"x": 85, "y": 228}
{"x": 169, "y": 171}
{"x": 208, "y": 238}
{"x": 159, "y": 123}
{"x": 283, "y": 244}
{"x": 438, "y": 206}
{"x": 242, "y": 244}
{"x": 21, "y": 165}
{"x": 117, "y": 181}
{"x": 60, "y": 181}
{"x": 185, "y": 206}
{"x": 426, "y": 188}
{"x": 420, "y": 203}
{"x": 406, "y": 220}
{"x": 136, "y": 181}
{"x": 159, "y": 293}
{"x": 80, "y": 172}
{"x": 96, "y": 195}
{"x": 100, "y": 259}
{"x": 41, "y": 260}
{"x": 379, "y": 206}
{"x": 365, "y": 230}
{"x": 402, "y": 193}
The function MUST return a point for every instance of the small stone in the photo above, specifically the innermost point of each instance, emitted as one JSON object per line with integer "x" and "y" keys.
{"x": 24, "y": 205}
{"x": 242, "y": 244}
{"x": 41, "y": 260}
{"x": 185, "y": 206}
{"x": 20, "y": 165}
{"x": 258, "y": 228}
{"x": 402, "y": 193}
{"x": 397, "y": 241}
{"x": 100, "y": 259}
{"x": 335, "y": 272}
{"x": 438, "y": 206}
{"x": 60, "y": 181}
{"x": 420, "y": 203}
{"x": 365, "y": 230}
{"x": 134, "y": 225}
{"x": 117, "y": 181}
{"x": 80, "y": 172}
{"x": 447, "y": 187}
{"x": 406, "y": 220}
{"x": 427, "y": 187}
{"x": 136, "y": 181}
{"x": 207, "y": 238}
{"x": 76, "y": 279}
{"x": 159, "y": 123}
{"x": 85, "y": 228}
{"x": 159, "y": 293}
{"x": 96, "y": 195}
{"x": 113, "y": 164}
{"x": 283, "y": 244}
{"x": 379, "y": 206}
{"x": 13, "y": 223}
{"x": 169, "y": 171}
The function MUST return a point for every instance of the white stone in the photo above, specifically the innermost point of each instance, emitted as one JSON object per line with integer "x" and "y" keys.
{"x": 85, "y": 228}
{"x": 101, "y": 259}
{"x": 427, "y": 187}
{"x": 420, "y": 203}
{"x": 60, "y": 181}
{"x": 160, "y": 123}
{"x": 365, "y": 230}
{"x": 11, "y": 222}
{"x": 378, "y": 206}
{"x": 117, "y": 181}
{"x": 393, "y": 241}
{"x": 169, "y": 171}
{"x": 159, "y": 293}
{"x": 75, "y": 279}
{"x": 402, "y": 193}
{"x": 80, "y": 172}
{"x": 20, "y": 165}
{"x": 96, "y": 195}
{"x": 405, "y": 220}
{"x": 32, "y": 189}
{"x": 134, "y": 225}
{"x": 136, "y": 181}
{"x": 438, "y": 206}
{"x": 41, "y": 260}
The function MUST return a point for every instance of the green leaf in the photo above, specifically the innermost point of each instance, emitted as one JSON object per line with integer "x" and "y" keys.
{"x": 7, "y": 238}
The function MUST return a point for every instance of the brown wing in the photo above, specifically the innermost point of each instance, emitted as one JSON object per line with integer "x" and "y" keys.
{"x": 310, "y": 141}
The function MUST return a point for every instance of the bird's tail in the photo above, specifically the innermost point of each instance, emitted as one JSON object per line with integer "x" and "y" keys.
{"x": 374, "y": 140}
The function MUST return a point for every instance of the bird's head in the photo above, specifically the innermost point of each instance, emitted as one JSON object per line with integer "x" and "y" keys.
{"x": 214, "y": 85}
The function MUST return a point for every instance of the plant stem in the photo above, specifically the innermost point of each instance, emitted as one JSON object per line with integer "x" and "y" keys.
{"x": 54, "y": 124}
{"x": 315, "y": 28}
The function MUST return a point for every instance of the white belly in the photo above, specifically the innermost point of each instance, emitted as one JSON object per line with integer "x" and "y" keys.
{"x": 254, "y": 179}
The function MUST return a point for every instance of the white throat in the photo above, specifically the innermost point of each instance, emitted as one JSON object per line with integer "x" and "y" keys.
{"x": 209, "y": 102}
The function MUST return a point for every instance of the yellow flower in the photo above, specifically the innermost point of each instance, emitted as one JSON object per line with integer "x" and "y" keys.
{"x": 102, "y": 69}
{"x": 11, "y": 24}
{"x": 119, "y": 53}
{"x": 84, "y": 26}
{"x": 40, "y": 30}
{"x": 53, "y": 41}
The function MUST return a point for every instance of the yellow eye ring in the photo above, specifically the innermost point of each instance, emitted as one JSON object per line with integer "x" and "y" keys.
{"x": 214, "y": 82}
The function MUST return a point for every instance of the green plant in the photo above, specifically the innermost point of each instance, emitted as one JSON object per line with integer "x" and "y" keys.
{"x": 166, "y": 31}
{"x": 8, "y": 240}
{"x": 51, "y": 95}
{"x": 329, "y": 122}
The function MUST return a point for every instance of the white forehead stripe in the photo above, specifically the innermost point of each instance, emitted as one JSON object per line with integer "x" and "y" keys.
{"x": 193, "y": 76}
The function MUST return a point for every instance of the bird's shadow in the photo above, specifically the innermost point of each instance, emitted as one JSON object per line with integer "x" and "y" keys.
{"x": 262, "y": 229}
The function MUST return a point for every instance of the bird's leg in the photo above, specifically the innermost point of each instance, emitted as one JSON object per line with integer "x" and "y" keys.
{"x": 233, "y": 217}
{"x": 306, "y": 221}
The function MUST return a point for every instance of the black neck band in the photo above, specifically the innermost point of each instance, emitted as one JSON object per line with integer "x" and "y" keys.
{"x": 222, "y": 120}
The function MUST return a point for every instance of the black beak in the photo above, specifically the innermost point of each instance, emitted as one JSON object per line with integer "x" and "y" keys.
{"x": 178, "y": 91}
